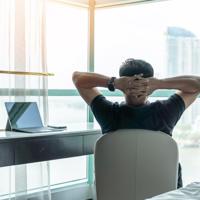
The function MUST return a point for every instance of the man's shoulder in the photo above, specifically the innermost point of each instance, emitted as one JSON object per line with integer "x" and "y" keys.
{"x": 99, "y": 97}
{"x": 101, "y": 100}
{"x": 174, "y": 100}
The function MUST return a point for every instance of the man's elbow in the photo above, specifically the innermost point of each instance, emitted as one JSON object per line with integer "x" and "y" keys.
{"x": 198, "y": 83}
{"x": 196, "y": 88}
{"x": 76, "y": 78}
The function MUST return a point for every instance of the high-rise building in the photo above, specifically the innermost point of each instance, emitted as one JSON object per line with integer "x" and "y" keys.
{"x": 183, "y": 57}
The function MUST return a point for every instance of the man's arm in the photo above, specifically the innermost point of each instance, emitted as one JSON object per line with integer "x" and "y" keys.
{"x": 87, "y": 82}
{"x": 188, "y": 86}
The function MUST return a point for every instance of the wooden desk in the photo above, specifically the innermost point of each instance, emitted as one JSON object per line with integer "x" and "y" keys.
{"x": 20, "y": 148}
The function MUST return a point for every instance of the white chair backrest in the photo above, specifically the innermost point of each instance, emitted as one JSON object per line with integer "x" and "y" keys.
{"x": 132, "y": 164}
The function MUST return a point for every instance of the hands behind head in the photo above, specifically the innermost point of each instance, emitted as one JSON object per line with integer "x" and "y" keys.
{"x": 135, "y": 86}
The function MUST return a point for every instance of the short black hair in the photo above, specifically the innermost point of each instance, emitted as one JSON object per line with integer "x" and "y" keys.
{"x": 132, "y": 67}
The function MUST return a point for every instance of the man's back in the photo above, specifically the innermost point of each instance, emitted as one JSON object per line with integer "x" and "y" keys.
{"x": 158, "y": 116}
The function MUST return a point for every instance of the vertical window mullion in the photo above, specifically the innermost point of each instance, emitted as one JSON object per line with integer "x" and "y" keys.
{"x": 90, "y": 118}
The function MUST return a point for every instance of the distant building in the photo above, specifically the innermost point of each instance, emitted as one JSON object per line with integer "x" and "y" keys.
{"x": 183, "y": 57}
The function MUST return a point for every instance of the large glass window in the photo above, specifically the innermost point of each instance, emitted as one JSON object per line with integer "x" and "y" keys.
{"x": 166, "y": 35}
{"x": 162, "y": 33}
{"x": 67, "y": 32}
{"x": 66, "y": 39}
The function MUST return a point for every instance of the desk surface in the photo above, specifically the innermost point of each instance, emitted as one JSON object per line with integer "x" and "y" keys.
{"x": 72, "y": 130}
{"x": 20, "y": 148}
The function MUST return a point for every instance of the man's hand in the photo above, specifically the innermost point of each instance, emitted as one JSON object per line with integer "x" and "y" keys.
{"x": 134, "y": 86}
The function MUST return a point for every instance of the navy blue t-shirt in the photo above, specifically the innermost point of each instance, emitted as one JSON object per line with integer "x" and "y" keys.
{"x": 161, "y": 115}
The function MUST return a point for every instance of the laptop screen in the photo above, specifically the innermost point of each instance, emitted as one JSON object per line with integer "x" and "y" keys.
{"x": 23, "y": 115}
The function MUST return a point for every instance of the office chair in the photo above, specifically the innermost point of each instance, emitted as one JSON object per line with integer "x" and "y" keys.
{"x": 132, "y": 164}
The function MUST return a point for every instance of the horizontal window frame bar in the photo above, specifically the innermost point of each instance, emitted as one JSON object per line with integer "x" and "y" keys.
{"x": 126, "y": 2}
{"x": 71, "y": 92}
{"x": 22, "y": 92}
{"x": 70, "y": 3}
{"x": 104, "y": 5}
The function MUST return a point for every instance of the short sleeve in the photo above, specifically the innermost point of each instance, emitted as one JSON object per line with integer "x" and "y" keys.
{"x": 103, "y": 112}
{"x": 172, "y": 110}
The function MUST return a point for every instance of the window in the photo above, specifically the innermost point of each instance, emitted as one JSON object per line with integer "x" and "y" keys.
{"x": 66, "y": 37}
{"x": 157, "y": 32}
{"x": 67, "y": 32}
{"x": 164, "y": 35}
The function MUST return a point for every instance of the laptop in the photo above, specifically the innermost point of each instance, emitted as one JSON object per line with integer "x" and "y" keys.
{"x": 25, "y": 117}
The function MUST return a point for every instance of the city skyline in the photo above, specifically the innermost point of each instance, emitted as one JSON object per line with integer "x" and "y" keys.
{"x": 182, "y": 56}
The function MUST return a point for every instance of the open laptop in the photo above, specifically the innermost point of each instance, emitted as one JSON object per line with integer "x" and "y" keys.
{"x": 25, "y": 117}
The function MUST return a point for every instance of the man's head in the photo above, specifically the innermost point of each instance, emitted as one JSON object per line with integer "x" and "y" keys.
{"x": 133, "y": 67}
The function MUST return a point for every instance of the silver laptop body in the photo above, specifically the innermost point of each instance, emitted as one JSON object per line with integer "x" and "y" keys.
{"x": 25, "y": 117}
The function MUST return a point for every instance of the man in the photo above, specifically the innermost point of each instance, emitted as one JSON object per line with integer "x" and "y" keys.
{"x": 136, "y": 81}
